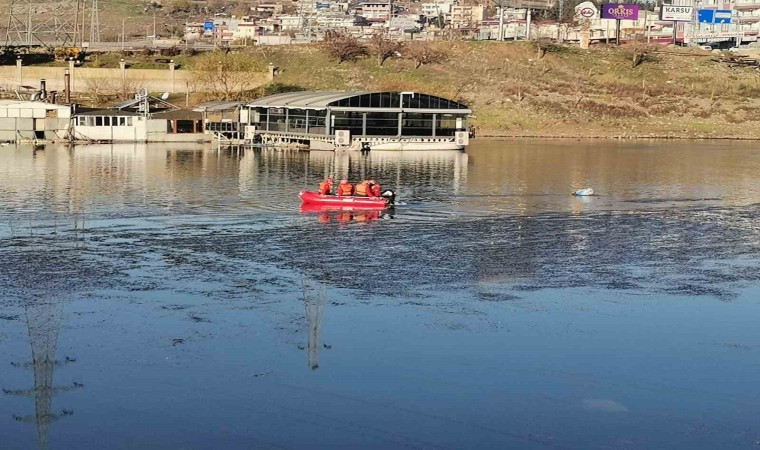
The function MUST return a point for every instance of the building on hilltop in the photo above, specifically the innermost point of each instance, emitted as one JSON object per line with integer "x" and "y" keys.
{"x": 541, "y": 5}
{"x": 375, "y": 11}
{"x": 437, "y": 8}
{"x": 464, "y": 16}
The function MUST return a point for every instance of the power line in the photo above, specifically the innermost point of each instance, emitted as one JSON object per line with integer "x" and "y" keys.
{"x": 40, "y": 22}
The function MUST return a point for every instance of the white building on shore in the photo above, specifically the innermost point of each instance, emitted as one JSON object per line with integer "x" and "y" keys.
{"x": 33, "y": 121}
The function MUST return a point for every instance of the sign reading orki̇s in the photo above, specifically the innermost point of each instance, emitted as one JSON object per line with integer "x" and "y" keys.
{"x": 620, "y": 11}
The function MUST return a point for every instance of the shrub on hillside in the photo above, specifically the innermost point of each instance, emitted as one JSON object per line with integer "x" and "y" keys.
{"x": 343, "y": 46}
{"x": 383, "y": 47}
{"x": 423, "y": 53}
{"x": 171, "y": 51}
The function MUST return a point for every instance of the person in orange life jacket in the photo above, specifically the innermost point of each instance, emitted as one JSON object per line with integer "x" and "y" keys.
{"x": 325, "y": 187}
{"x": 362, "y": 189}
{"x": 374, "y": 188}
{"x": 345, "y": 189}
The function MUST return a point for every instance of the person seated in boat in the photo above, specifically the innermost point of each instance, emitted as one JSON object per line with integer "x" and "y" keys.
{"x": 345, "y": 189}
{"x": 325, "y": 187}
{"x": 374, "y": 188}
{"x": 362, "y": 189}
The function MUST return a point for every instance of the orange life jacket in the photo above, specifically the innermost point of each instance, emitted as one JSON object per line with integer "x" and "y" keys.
{"x": 345, "y": 189}
{"x": 325, "y": 187}
{"x": 375, "y": 190}
{"x": 362, "y": 188}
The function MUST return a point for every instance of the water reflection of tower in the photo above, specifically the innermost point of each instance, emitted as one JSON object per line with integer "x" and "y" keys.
{"x": 43, "y": 318}
{"x": 314, "y": 304}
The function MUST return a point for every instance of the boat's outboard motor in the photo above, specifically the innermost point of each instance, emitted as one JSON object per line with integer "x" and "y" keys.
{"x": 365, "y": 147}
{"x": 389, "y": 196}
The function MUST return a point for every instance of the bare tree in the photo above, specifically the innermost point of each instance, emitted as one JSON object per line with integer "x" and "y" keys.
{"x": 180, "y": 6}
{"x": 638, "y": 50}
{"x": 424, "y": 54}
{"x": 104, "y": 88}
{"x": 543, "y": 41}
{"x": 383, "y": 47}
{"x": 225, "y": 75}
{"x": 343, "y": 46}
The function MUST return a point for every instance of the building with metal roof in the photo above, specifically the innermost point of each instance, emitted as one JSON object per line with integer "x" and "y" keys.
{"x": 221, "y": 118}
{"x": 22, "y": 120}
{"x": 352, "y": 119}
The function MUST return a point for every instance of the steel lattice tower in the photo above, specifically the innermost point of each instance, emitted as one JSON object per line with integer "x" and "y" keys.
{"x": 43, "y": 22}
{"x": 94, "y": 22}
{"x": 43, "y": 318}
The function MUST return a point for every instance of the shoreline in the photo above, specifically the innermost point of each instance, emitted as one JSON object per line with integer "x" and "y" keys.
{"x": 641, "y": 137}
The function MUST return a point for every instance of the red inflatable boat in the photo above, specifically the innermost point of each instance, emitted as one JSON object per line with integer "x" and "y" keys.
{"x": 315, "y": 198}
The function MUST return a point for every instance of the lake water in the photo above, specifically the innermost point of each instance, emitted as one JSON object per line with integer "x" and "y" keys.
{"x": 167, "y": 297}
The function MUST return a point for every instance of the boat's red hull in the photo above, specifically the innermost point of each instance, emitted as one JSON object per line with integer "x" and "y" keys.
{"x": 315, "y": 198}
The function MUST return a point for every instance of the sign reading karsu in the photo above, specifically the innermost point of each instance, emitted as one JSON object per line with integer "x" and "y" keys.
{"x": 676, "y": 13}
{"x": 620, "y": 11}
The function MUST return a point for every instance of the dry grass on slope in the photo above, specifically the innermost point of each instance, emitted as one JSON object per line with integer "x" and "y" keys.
{"x": 566, "y": 92}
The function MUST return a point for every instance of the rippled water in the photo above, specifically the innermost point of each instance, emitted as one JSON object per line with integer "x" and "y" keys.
{"x": 174, "y": 297}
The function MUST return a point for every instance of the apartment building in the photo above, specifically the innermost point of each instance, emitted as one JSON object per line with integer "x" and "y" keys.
{"x": 463, "y": 16}
{"x": 375, "y": 11}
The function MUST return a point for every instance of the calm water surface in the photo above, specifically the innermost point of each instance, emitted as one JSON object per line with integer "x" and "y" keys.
{"x": 169, "y": 297}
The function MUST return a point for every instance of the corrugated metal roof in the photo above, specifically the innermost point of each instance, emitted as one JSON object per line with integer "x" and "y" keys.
{"x": 303, "y": 99}
{"x": 217, "y": 106}
{"x": 178, "y": 114}
{"x": 127, "y": 103}
{"x": 107, "y": 112}
{"x": 323, "y": 99}
{"x": 21, "y": 104}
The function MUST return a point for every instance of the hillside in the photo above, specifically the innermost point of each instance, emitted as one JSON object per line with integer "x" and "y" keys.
{"x": 138, "y": 16}
{"x": 674, "y": 92}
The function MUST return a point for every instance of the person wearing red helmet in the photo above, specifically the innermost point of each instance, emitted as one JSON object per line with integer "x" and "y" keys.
{"x": 374, "y": 188}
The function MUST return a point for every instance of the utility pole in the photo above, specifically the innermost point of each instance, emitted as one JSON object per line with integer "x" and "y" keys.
{"x": 527, "y": 24}
{"x": 501, "y": 23}
{"x": 559, "y": 24}
{"x": 500, "y": 4}
{"x": 390, "y": 13}
{"x": 694, "y": 22}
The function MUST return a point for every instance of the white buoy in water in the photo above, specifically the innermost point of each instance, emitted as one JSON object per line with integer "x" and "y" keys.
{"x": 585, "y": 192}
